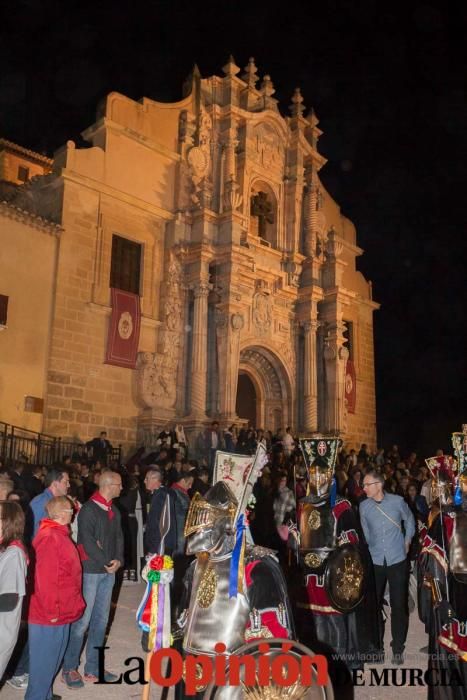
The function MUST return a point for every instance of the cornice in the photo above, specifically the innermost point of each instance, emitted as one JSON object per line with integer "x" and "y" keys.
{"x": 25, "y": 217}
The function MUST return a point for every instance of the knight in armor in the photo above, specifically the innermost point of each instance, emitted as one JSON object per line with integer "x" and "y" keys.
{"x": 336, "y": 567}
{"x": 443, "y": 574}
{"x": 235, "y": 592}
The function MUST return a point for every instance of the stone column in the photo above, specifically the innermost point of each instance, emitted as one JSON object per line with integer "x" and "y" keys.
{"x": 228, "y": 328}
{"x": 335, "y": 356}
{"x": 200, "y": 348}
{"x": 310, "y": 213}
{"x": 310, "y": 378}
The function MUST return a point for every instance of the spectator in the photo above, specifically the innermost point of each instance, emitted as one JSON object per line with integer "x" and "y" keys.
{"x": 181, "y": 442}
{"x": 13, "y": 566}
{"x": 200, "y": 482}
{"x": 101, "y": 447}
{"x": 128, "y": 503}
{"x": 283, "y": 501}
{"x": 56, "y": 601}
{"x": 288, "y": 442}
{"x": 417, "y": 503}
{"x": 57, "y": 483}
{"x": 231, "y": 438}
{"x": 100, "y": 542}
{"x": 16, "y": 474}
{"x": 159, "y": 495}
{"x": 181, "y": 503}
{"x": 33, "y": 480}
{"x": 212, "y": 443}
{"x": 385, "y": 518}
{"x": 354, "y": 489}
{"x": 363, "y": 455}
{"x": 181, "y": 500}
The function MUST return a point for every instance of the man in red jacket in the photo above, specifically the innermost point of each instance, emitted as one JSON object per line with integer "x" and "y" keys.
{"x": 56, "y": 601}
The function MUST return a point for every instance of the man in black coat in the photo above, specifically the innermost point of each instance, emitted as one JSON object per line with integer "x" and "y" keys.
{"x": 159, "y": 495}
{"x": 101, "y": 447}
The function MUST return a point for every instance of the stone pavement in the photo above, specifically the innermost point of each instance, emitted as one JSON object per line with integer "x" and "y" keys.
{"x": 124, "y": 641}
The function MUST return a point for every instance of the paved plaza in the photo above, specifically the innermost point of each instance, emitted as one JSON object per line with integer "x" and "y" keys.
{"x": 124, "y": 641}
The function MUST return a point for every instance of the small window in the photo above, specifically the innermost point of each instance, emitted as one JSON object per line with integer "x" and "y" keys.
{"x": 348, "y": 335}
{"x": 3, "y": 309}
{"x": 125, "y": 267}
{"x": 23, "y": 173}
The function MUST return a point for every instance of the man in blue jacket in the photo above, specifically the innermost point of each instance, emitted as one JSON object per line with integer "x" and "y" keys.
{"x": 389, "y": 526}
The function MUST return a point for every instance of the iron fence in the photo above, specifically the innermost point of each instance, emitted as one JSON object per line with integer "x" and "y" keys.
{"x": 39, "y": 448}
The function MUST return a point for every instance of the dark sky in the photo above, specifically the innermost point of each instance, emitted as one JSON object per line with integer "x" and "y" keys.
{"x": 388, "y": 83}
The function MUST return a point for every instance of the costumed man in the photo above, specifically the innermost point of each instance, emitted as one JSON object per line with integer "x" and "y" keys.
{"x": 235, "y": 591}
{"x": 443, "y": 574}
{"x": 336, "y": 565}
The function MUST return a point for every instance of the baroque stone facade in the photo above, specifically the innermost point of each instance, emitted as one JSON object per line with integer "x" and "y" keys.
{"x": 248, "y": 269}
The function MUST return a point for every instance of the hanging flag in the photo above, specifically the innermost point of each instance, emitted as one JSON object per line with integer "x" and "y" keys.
{"x": 123, "y": 338}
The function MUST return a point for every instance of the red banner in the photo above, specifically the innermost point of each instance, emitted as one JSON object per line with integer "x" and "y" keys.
{"x": 123, "y": 338}
{"x": 350, "y": 386}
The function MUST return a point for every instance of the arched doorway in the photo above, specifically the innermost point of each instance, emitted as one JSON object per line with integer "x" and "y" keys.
{"x": 246, "y": 398}
{"x": 264, "y": 393}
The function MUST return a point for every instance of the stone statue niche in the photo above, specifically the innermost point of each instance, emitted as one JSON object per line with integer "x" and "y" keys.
{"x": 262, "y": 209}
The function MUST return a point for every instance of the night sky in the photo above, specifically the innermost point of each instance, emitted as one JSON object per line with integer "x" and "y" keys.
{"x": 388, "y": 83}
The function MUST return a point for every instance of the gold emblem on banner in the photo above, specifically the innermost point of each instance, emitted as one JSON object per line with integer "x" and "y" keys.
{"x": 125, "y": 326}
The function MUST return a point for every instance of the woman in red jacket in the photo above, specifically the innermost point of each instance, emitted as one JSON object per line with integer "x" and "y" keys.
{"x": 56, "y": 601}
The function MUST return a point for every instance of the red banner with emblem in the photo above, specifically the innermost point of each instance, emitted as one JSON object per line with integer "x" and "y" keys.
{"x": 350, "y": 386}
{"x": 123, "y": 338}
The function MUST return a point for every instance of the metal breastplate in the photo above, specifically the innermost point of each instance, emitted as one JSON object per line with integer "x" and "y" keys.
{"x": 458, "y": 545}
{"x": 213, "y": 616}
{"x": 317, "y": 528}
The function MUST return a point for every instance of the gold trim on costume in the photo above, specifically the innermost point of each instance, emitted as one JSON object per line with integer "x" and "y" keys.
{"x": 313, "y": 560}
{"x": 314, "y": 520}
{"x": 202, "y": 515}
{"x": 207, "y": 588}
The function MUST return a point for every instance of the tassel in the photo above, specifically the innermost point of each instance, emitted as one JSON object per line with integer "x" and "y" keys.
{"x": 154, "y": 612}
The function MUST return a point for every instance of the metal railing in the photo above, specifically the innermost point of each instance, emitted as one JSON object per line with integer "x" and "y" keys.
{"x": 39, "y": 448}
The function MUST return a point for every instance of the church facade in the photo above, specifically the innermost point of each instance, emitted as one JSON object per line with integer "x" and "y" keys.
{"x": 212, "y": 211}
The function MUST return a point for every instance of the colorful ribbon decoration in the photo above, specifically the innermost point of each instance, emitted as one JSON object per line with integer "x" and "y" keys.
{"x": 238, "y": 559}
{"x": 153, "y": 614}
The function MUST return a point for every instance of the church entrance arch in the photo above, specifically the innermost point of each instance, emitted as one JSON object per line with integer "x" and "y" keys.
{"x": 263, "y": 391}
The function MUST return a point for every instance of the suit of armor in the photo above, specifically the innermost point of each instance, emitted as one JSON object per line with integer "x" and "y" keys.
{"x": 443, "y": 576}
{"x": 234, "y": 592}
{"x": 335, "y": 564}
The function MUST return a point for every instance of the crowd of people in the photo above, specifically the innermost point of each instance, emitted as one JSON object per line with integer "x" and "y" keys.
{"x": 69, "y": 532}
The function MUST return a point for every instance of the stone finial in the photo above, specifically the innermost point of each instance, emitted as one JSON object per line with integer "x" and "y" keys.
{"x": 312, "y": 118}
{"x": 267, "y": 87}
{"x": 297, "y": 108}
{"x": 191, "y": 80}
{"x": 230, "y": 69}
{"x": 249, "y": 76}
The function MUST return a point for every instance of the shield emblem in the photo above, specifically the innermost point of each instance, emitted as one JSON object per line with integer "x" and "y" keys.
{"x": 344, "y": 578}
{"x": 295, "y": 691}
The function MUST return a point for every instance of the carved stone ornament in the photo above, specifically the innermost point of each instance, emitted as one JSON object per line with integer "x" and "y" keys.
{"x": 262, "y": 312}
{"x": 198, "y": 160}
{"x": 156, "y": 380}
{"x": 237, "y": 322}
